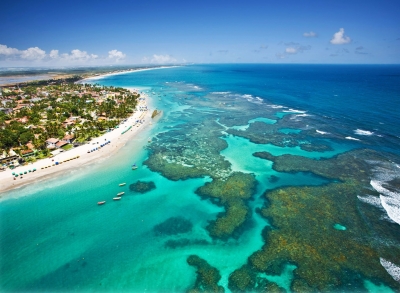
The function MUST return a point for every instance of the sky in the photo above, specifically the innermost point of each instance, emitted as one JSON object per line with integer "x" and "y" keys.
{"x": 47, "y": 33}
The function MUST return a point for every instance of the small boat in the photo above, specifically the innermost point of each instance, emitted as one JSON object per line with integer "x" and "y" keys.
{"x": 122, "y": 184}
{"x": 134, "y": 167}
{"x": 117, "y": 198}
{"x": 101, "y": 202}
{"x": 120, "y": 193}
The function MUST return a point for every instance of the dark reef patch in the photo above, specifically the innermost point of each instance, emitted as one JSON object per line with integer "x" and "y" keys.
{"x": 207, "y": 276}
{"x": 173, "y": 226}
{"x": 233, "y": 194}
{"x": 303, "y": 218}
{"x": 142, "y": 186}
{"x": 182, "y": 242}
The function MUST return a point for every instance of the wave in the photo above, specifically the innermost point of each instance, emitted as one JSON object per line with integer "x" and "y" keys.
{"x": 321, "y": 132}
{"x": 372, "y": 200}
{"x": 251, "y": 99}
{"x": 299, "y": 115}
{"x": 220, "y": 93}
{"x": 276, "y": 106}
{"x": 294, "y": 111}
{"x": 351, "y": 138}
{"x": 391, "y": 268}
{"x": 389, "y": 200}
{"x": 363, "y": 132}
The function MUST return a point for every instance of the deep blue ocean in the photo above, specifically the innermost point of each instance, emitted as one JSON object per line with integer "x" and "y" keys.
{"x": 215, "y": 118}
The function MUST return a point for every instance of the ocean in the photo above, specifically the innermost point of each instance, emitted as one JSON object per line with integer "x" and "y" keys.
{"x": 255, "y": 177}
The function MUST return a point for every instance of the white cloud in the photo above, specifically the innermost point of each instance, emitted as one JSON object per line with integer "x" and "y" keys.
{"x": 296, "y": 49}
{"x": 78, "y": 55}
{"x": 339, "y": 38}
{"x": 117, "y": 55}
{"x": 4, "y": 50}
{"x": 291, "y": 50}
{"x": 33, "y": 54}
{"x": 159, "y": 59}
{"x": 53, "y": 54}
{"x": 54, "y": 57}
{"x": 310, "y": 34}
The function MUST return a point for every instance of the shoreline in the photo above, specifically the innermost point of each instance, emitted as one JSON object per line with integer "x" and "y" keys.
{"x": 80, "y": 156}
{"x": 101, "y": 76}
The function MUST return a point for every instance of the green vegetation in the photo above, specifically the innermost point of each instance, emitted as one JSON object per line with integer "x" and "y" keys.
{"x": 67, "y": 147}
{"x": 37, "y": 111}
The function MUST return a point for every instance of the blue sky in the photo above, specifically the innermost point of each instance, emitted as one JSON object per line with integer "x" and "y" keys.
{"x": 102, "y": 32}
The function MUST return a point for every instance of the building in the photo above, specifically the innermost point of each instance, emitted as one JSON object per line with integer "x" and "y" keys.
{"x": 69, "y": 138}
{"x": 61, "y": 143}
{"x": 51, "y": 143}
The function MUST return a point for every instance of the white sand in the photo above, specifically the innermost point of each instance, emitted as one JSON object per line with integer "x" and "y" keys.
{"x": 117, "y": 139}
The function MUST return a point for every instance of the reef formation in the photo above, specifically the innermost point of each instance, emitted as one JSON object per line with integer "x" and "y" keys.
{"x": 142, "y": 186}
{"x": 207, "y": 276}
{"x": 303, "y": 220}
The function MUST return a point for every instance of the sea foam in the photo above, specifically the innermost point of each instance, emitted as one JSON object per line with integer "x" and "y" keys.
{"x": 363, "y": 132}
{"x": 251, "y": 99}
{"x": 321, "y": 132}
{"x": 372, "y": 200}
{"x": 389, "y": 200}
{"x": 391, "y": 268}
{"x": 276, "y": 106}
{"x": 351, "y": 138}
{"x": 294, "y": 111}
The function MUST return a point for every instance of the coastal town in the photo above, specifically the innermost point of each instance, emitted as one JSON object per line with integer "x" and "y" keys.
{"x": 42, "y": 119}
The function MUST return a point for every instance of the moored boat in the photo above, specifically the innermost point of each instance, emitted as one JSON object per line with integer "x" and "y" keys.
{"x": 117, "y": 198}
{"x": 122, "y": 184}
{"x": 120, "y": 193}
{"x": 134, "y": 167}
{"x": 101, "y": 202}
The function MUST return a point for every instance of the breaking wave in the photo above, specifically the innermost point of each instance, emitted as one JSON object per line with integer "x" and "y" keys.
{"x": 351, "y": 138}
{"x": 391, "y": 268}
{"x": 363, "y": 132}
{"x": 321, "y": 132}
{"x": 390, "y": 199}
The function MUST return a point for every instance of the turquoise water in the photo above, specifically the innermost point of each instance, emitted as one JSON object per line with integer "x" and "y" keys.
{"x": 54, "y": 237}
{"x": 289, "y": 130}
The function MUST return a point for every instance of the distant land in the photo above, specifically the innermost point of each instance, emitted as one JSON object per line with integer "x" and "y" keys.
{"x": 10, "y": 76}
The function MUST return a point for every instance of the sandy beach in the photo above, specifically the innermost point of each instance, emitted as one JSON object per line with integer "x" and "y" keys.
{"x": 79, "y": 156}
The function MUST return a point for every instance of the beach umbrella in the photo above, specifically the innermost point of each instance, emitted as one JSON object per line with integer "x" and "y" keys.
{"x": 29, "y": 171}
{"x": 34, "y": 169}
{"x": 20, "y": 173}
{"x": 13, "y": 173}
{"x": 16, "y": 175}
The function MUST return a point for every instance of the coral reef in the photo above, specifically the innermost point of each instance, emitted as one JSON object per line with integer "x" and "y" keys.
{"x": 303, "y": 232}
{"x": 207, "y": 276}
{"x": 142, "y": 186}
{"x": 231, "y": 193}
